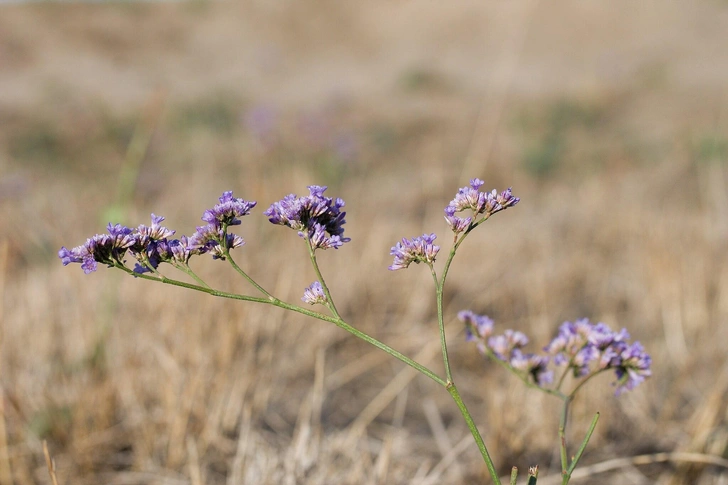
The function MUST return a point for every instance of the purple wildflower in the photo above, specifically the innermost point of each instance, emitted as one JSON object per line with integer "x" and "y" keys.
{"x": 503, "y": 345}
{"x": 228, "y": 210}
{"x": 471, "y": 198}
{"x": 155, "y": 232}
{"x": 314, "y": 294}
{"x": 572, "y": 346}
{"x": 475, "y": 325}
{"x": 417, "y": 250}
{"x": 207, "y": 239}
{"x": 316, "y": 217}
{"x": 150, "y": 247}
{"x": 107, "y": 249}
{"x": 581, "y": 344}
{"x": 457, "y": 224}
{"x": 506, "y": 199}
{"x": 534, "y": 365}
{"x": 180, "y": 250}
{"x": 634, "y": 366}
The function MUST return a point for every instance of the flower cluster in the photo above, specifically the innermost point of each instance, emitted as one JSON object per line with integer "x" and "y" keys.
{"x": 584, "y": 348}
{"x": 151, "y": 245}
{"x": 101, "y": 248}
{"x": 506, "y": 347}
{"x": 314, "y": 294}
{"x": 471, "y": 198}
{"x": 417, "y": 250}
{"x": 315, "y": 217}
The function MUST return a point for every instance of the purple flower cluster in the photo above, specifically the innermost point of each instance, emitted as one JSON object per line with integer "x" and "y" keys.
{"x": 101, "y": 248}
{"x": 417, "y": 250}
{"x": 151, "y": 245}
{"x": 506, "y": 347}
{"x": 584, "y": 348}
{"x": 314, "y": 294}
{"x": 315, "y": 217}
{"x": 471, "y": 198}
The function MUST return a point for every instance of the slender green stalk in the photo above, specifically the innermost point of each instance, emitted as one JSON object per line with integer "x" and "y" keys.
{"x": 441, "y": 325}
{"x": 186, "y": 268}
{"x": 580, "y": 452}
{"x": 474, "y": 431}
{"x": 229, "y": 259}
{"x": 295, "y": 308}
{"x": 329, "y": 299}
{"x": 562, "y": 440}
{"x": 451, "y": 388}
{"x": 439, "y": 288}
{"x": 514, "y": 475}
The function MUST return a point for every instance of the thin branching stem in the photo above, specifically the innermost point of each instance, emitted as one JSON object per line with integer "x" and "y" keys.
{"x": 238, "y": 269}
{"x": 562, "y": 440}
{"x": 441, "y": 325}
{"x": 453, "y": 390}
{"x": 295, "y": 308}
{"x": 329, "y": 300}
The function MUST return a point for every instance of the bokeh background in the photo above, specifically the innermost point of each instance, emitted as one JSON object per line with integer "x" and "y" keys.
{"x": 609, "y": 119}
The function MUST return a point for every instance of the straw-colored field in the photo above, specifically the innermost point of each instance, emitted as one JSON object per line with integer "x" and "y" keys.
{"x": 610, "y": 121}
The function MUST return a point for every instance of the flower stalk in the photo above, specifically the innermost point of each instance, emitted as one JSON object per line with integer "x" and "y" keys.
{"x": 583, "y": 349}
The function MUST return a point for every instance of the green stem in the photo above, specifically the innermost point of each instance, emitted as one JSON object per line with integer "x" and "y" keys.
{"x": 329, "y": 299}
{"x": 580, "y": 452}
{"x": 474, "y": 431}
{"x": 439, "y": 288}
{"x": 562, "y": 440}
{"x": 441, "y": 324}
{"x": 187, "y": 270}
{"x": 295, "y": 308}
{"x": 229, "y": 258}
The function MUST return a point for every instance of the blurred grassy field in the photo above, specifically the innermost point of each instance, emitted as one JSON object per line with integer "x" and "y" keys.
{"x": 610, "y": 121}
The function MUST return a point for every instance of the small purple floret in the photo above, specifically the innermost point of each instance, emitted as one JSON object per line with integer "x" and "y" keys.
{"x": 107, "y": 249}
{"x": 472, "y": 199}
{"x": 476, "y": 326}
{"x": 314, "y": 294}
{"x": 418, "y": 250}
{"x": 228, "y": 210}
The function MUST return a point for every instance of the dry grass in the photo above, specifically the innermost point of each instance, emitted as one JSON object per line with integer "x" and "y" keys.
{"x": 617, "y": 147}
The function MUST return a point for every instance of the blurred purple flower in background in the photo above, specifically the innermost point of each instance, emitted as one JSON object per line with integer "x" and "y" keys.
{"x": 262, "y": 123}
{"x": 585, "y": 349}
